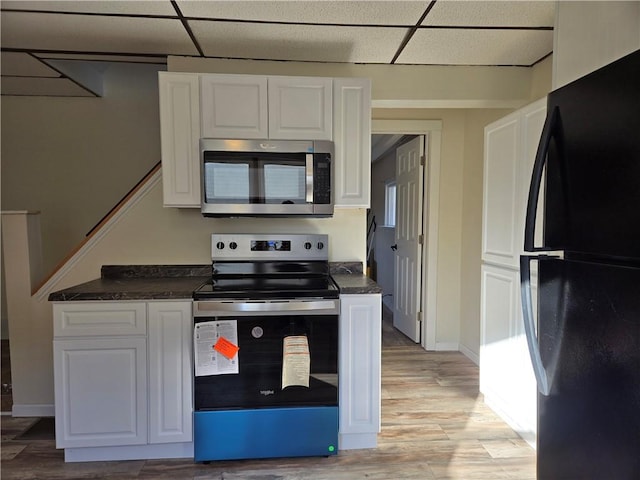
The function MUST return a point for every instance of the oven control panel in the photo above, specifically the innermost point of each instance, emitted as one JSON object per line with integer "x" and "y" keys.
{"x": 271, "y": 246}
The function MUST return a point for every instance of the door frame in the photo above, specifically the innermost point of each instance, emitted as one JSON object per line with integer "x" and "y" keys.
{"x": 432, "y": 130}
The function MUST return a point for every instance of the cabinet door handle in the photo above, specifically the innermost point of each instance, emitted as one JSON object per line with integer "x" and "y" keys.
{"x": 394, "y": 247}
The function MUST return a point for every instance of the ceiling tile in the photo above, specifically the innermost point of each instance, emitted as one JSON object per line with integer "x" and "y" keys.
{"x": 477, "y": 47}
{"x": 24, "y": 65}
{"x": 82, "y": 33}
{"x": 340, "y": 12}
{"x": 125, "y": 7}
{"x": 51, "y": 87}
{"x": 500, "y": 14}
{"x": 295, "y": 42}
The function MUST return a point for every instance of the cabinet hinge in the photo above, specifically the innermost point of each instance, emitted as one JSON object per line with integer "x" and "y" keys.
{"x": 423, "y": 160}
{"x": 420, "y": 239}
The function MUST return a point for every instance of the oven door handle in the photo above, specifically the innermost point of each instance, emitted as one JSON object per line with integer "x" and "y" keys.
{"x": 312, "y": 307}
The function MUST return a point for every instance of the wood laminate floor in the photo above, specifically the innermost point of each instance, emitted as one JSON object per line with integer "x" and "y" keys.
{"x": 435, "y": 425}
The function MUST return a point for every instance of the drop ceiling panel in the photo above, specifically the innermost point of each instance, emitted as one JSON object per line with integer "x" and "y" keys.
{"x": 477, "y": 47}
{"x": 340, "y": 12}
{"x": 295, "y": 42}
{"x": 50, "y": 87}
{"x": 43, "y": 31}
{"x": 497, "y": 14}
{"x": 24, "y": 65}
{"x": 150, "y": 7}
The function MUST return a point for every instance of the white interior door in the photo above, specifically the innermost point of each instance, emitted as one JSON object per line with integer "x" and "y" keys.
{"x": 408, "y": 245}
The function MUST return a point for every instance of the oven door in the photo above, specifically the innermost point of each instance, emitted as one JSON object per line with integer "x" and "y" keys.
{"x": 260, "y": 375}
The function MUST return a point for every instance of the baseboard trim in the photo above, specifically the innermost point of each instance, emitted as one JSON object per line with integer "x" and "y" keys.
{"x": 129, "y": 452}
{"x": 356, "y": 441}
{"x": 474, "y": 357}
{"x": 33, "y": 410}
{"x": 447, "y": 347}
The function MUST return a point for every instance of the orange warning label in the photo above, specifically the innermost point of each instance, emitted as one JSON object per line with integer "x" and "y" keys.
{"x": 226, "y": 348}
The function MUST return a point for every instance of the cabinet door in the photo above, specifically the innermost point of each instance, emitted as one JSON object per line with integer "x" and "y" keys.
{"x": 100, "y": 391}
{"x": 89, "y": 319}
{"x": 352, "y": 138}
{"x": 170, "y": 377}
{"x": 359, "y": 376}
{"x": 180, "y": 137}
{"x": 510, "y": 149}
{"x": 300, "y": 108}
{"x": 501, "y": 202}
{"x": 234, "y": 106}
{"x": 506, "y": 376}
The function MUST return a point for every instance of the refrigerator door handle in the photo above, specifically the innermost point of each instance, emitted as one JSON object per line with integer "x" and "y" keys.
{"x": 529, "y": 326}
{"x": 536, "y": 179}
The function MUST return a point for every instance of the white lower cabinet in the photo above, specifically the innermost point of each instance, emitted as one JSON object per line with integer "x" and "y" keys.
{"x": 360, "y": 371}
{"x": 170, "y": 377}
{"x": 123, "y": 384}
{"x": 101, "y": 395}
{"x": 507, "y": 380}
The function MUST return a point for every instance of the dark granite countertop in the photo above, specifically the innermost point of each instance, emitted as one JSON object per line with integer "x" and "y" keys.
{"x": 351, "y": 280}
{"x": 138, "y": 282}
{"x": 356, "y": 284}
{"x": 160, "y": 282}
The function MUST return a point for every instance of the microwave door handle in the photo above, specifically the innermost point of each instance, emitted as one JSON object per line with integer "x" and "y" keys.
{"x": 309, "y": 177}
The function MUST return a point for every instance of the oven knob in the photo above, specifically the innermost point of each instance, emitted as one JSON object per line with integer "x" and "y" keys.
{"x": 320, "y": 245}
{"x": 307, "y": 245}
{"x": 220, "y": 246}
{"x": 233, "y": 245}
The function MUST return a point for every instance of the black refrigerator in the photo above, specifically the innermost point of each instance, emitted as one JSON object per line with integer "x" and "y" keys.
{"x": 585, "y": 342}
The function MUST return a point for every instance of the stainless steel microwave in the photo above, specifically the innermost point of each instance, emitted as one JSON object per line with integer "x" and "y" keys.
{"x": 266, "y": 177}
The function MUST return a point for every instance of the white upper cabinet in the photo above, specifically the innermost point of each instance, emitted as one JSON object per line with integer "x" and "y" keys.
{"x": 180, "y": 138}
{"x": 255, "y": 106}
{"x": 300, "y": 108}
{"x": 352, "y": 141}
{"x": 510, "y": 148}
{"x": 194, "y": 106}
{"x": 234, "y": 106}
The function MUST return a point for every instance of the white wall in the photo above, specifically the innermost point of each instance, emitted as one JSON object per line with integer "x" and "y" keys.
{"x": 589, "y": 35}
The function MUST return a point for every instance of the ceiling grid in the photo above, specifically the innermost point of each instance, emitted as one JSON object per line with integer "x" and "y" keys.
{"x": 436, "y": 32}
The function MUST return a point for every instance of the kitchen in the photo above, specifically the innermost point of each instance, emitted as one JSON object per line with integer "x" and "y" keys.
{"x": 159, "y": 233}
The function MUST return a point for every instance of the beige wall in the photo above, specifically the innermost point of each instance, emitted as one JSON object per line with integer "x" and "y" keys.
{"x": 395, "y": 85}
{"x": 73, "y": 159}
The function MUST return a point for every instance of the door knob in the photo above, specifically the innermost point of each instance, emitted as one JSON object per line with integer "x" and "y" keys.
{"x": 394, "y": 247}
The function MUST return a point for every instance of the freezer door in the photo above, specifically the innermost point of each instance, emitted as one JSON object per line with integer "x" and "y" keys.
{"x": 593, "y": 163}
{"x": 589, "y": 335}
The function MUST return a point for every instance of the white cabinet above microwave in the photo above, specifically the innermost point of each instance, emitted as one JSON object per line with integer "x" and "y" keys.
{"x": 260, "y": 107}
{"x": 194, "y": 106}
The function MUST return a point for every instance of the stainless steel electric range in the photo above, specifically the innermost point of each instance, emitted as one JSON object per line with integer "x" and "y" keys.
{"x": 266, "y": 349}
